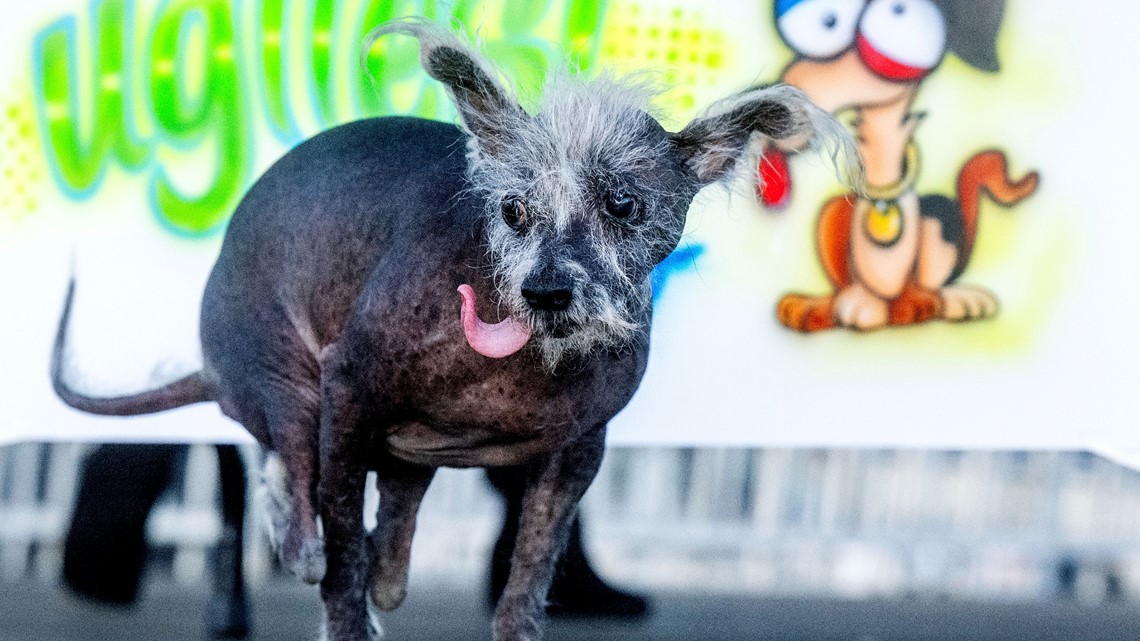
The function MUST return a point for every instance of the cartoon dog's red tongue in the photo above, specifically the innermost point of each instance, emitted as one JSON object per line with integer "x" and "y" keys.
{"x": 495, "y": 341}
{"x": 775, "y": 179}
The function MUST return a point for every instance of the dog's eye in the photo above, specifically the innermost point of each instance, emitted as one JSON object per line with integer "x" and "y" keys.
{"x": 620, "y": 204}
{"x": 514, "y": 213}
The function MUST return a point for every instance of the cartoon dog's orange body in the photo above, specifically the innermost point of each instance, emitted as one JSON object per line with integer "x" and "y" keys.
{"x": 897, "y": 262}
{"x": 893, "y": 257}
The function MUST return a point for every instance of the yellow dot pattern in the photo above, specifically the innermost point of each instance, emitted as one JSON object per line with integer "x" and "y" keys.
{"x": 691, "y": 56}
{"x": 22, "y": 169}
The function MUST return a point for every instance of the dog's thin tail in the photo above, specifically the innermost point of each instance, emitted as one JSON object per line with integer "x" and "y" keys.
{"x": 987, "y": 172}
{"x": 184, "y": 391}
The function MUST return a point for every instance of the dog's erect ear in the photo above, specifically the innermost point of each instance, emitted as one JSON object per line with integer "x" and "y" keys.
{"x": 487, "y": 109}
{"x": 784, "y": 115}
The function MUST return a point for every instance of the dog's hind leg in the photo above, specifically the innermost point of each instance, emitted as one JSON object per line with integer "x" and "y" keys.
{"x": 292, "y": 531}
{"x": 833, "y": 243}
{"x": 401, "y": 487}
{"x": 302, "y": 551}
{"x": 344, "y": 439}
{"x": 289, "y": 485}
{"x": 554, "y": 487}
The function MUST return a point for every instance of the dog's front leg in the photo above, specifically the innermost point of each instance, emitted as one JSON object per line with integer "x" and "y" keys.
{"x": 343, "y": 445}
{"x": 401, "y": 487}
{"x": 554, "y": 487}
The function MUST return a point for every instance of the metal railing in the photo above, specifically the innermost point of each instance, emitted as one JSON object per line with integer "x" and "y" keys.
{"x": 762, "y": 521}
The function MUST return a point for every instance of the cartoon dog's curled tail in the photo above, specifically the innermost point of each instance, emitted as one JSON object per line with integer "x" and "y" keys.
{"x": 986, "y": 172}
{"x": 189, "y": 389}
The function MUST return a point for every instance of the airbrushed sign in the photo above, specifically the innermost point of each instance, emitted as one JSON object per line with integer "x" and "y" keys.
{"x": 977, "y": 295}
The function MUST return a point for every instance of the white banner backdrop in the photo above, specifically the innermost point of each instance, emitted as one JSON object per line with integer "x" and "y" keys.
{"x": 1056, "y": 367}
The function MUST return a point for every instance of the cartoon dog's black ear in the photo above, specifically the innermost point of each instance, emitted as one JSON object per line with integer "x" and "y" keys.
{"x": 784, "y": 115}
{"x": 487, "y": 109}
{"x": 972, "y": 30}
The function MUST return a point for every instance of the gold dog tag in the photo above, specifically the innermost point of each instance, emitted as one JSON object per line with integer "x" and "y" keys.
{"x": 884, "y": 222}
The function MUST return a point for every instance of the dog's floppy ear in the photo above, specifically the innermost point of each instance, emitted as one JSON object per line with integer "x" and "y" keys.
{"x": 487, "y": 109}
{"x": 784, "y": 115}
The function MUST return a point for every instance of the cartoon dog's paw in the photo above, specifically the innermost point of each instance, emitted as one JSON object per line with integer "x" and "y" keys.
{"x": 858, "y": 308}
{"x": 967, "y": 303}
{"x": 915, "y": 305}
{"x": 806, "y": 313}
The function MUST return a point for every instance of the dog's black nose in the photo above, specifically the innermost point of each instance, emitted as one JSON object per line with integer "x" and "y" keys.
{"x": 548, "y": 288}
{"x": 547, "y": 300}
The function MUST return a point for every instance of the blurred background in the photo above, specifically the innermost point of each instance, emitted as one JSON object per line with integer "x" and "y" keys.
{"x": 772, "y": 543}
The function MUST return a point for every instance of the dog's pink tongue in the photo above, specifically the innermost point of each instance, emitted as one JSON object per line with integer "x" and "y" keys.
{"x": 495, "y": 341}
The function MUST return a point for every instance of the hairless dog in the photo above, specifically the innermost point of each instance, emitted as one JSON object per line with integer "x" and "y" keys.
{"x": 331, "y": 328}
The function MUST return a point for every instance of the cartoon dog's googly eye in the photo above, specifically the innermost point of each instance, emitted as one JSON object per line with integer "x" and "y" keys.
{"x": 902, "y": 40}
{"x": 818, "y": 28}
{"x": 514, "y": 213}
{"x": 621, "y": 205}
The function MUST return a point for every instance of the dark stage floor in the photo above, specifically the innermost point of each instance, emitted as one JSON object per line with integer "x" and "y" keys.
{"x": 290, "y": 613}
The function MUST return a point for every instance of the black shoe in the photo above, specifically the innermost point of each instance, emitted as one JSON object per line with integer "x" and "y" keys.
{"x": 577, "y": 591}
{"x": 594, "y": 598}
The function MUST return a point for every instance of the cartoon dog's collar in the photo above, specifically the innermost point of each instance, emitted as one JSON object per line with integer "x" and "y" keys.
{"x": 902, "y": 185}
{"x": 884, "y": 222}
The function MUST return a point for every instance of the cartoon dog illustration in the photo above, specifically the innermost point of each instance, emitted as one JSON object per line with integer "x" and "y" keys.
{"x": 893, "y": 257}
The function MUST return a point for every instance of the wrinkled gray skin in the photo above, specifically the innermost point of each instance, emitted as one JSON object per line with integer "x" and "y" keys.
{"x": 330, "y": 325}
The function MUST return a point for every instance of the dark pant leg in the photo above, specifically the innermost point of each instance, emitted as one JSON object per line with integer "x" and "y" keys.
{"x": 105, "y": 548}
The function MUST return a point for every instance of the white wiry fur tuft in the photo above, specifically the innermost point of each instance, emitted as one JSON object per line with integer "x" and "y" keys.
{"x": 586, "y": 145}
{"x": 375, "y": 626}
{"x": 577, "y": 121}
{"x": 583, "y": 133}
{"x": 276, "y": 499}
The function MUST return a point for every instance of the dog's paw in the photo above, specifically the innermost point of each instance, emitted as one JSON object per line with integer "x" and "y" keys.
{"x": 856, "y": 307}
{"x": 967, "y": 303}
{"x": 304, "y": 558}
{"x": 387, "y": 595}
{"x": 806, "y": 313}
{"x": 374, "y": 632}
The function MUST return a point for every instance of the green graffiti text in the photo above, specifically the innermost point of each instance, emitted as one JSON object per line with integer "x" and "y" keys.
{"x": 197, "y": 81}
